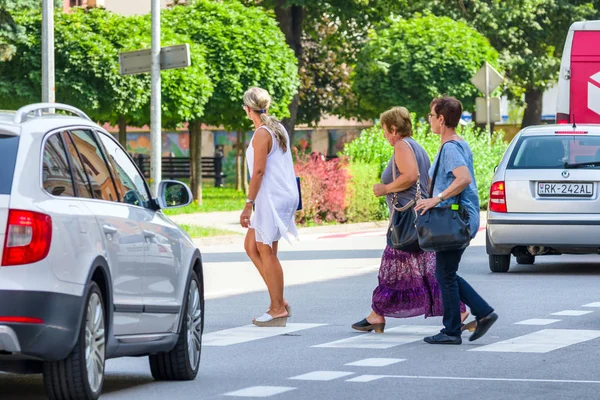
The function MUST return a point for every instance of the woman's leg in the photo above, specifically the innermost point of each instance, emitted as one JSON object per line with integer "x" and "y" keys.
{"x": 273, "y": 276}
{"x": 446, "y": 266}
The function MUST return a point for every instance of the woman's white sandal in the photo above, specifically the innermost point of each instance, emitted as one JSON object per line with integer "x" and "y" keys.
{"x": 268, "y": 321}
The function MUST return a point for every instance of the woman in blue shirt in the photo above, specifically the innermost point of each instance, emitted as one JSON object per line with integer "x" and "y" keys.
{"x": 455, "y": 177}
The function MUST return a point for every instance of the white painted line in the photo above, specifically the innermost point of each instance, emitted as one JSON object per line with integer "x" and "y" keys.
{"x": 260, "y": 391}
{"x": 375, "y": 362}
{"x": 537, "y": 321}
{"x": 542, "y": 341}
{"x": 392, "y": 337}
{"x": 596, "y": 305}
{"x": 371, "y": 378}
{"x": 321, "y": 376}
{"x": 248, "y": 333}
{"x": 572, "y": 313}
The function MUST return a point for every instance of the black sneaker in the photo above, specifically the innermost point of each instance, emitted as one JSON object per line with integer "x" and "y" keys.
{"x": 483, "y": 325}
{"x": 442, "y": 338}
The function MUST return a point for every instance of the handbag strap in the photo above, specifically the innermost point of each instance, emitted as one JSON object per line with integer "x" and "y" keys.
{"x": 435, "y": 171}
{"x": 417, "y": 194}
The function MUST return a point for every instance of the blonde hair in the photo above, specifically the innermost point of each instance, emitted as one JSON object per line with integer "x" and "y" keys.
{"x": 259, "y": 101}
{"x": 398, "y": 117}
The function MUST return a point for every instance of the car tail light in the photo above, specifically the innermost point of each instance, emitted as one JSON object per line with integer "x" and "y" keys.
{"x": 498, "y": 197}
{"x": 562, "y": 118}
{"x": 21, "y": 320}
{"x": 28, "y": 237}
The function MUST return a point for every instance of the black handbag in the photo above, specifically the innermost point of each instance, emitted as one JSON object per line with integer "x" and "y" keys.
{"x": 402, "y": 234}
{"x": 299, "y": 194}
{"x": 443, "y": 228}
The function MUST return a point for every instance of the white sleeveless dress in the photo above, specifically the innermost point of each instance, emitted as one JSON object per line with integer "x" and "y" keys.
{"x": 278, "y": 197}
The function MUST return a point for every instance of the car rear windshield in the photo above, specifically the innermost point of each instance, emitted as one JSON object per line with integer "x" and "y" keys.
{"x": 8, "y": 156}
{"x": 552, "y": 151}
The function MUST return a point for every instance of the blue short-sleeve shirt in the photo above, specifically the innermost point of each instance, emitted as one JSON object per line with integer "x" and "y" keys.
{"x": 457, "y": 154}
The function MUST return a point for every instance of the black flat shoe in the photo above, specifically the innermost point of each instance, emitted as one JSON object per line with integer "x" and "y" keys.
{"x": 483, "y": 325}
{"x": 366, "y": 326}
{"x": 442, "y": 338}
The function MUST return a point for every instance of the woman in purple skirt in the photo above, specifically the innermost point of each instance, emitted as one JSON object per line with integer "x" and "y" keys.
{"x": 407, "y": 283}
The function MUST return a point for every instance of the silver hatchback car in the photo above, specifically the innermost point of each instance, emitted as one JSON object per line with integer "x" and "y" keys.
{"x": 545, "y": 196}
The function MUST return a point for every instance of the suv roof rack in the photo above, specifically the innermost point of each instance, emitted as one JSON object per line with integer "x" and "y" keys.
{"x": 37, "y": 108}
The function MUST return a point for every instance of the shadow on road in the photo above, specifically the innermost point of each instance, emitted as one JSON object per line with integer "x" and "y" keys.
{"x": 591, "y": 268}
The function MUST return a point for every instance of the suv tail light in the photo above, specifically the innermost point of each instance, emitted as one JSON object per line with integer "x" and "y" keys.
{"x": 562, "y": 118}
{"x": 498, "y": 197}
{"x": 28, "y": 237}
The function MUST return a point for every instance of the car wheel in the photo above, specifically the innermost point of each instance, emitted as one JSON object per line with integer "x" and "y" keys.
{"x": 182, "y": 362}
{"x": 499, "y": 263}
{"x": 81, "y": 374}
{"x": 525, "y": 259}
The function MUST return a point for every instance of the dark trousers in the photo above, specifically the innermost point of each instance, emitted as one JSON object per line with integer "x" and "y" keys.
{"x": 454, "y": 290}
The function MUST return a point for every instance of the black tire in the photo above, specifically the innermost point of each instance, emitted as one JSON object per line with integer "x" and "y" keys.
{"x": 499, "y": 263}
{"x": 525, "y": 259}
{"x": 177, "y": 364}
{"x": 68, "y": 379}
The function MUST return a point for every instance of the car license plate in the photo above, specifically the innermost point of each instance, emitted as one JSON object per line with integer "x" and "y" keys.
{"x": 565, "y": 189}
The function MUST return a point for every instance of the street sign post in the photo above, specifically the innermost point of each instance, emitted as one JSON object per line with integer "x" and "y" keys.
{"x": 140, "y": 61}
{"x": 48, "y": 90}
{"x": 487, "y": 79}
{"x": 481, "y": 110}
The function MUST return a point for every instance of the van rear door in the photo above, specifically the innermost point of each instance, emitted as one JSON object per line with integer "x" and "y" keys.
{"x": 585, "y": 77}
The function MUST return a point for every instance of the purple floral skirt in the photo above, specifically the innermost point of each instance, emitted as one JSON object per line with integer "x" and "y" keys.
{"x": 407, "y": 286}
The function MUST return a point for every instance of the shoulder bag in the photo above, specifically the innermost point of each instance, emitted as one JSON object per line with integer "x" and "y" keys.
{"x": 443, "y": 228}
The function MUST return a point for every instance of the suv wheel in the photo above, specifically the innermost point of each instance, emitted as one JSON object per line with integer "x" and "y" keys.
{"x": 81, "y": 374}
{"x": 525, "y": 259}
{"x": 181, "y": 363}
{"x": 499, "y": 263}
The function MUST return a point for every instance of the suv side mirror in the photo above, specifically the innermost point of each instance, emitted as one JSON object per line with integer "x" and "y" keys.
{"x": 173, "y": 194}
{"x": 496, "y": 168}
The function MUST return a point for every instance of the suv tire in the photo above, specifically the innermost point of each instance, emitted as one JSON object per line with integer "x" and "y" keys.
{"x": 70, "y": 378}
{"x": 525, "y": 259}
{"x": 499, "y": 263}
{"x": 183, "y": 361}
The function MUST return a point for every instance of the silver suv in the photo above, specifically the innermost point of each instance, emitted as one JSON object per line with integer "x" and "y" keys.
{"x": 90, "y": 267}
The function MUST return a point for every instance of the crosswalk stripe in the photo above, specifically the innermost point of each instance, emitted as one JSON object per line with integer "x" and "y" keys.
{"x": 572, "y": 313}
{"x": 371, "y": 378}
{"x": 248, "y": 333}
{"x": 542, "y": 341}
{"x": 392, "y": 337}
{"x": 322, "y": 376}
{"x": 537, "y": 321}
{"x": 596, "y": 304}
{"x": 260, "y": 391}
{"x": 375, "y": 362}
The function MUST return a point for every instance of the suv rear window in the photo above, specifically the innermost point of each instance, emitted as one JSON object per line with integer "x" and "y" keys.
{"x": 8, "y": 156}
{"x": 552, "y": 151}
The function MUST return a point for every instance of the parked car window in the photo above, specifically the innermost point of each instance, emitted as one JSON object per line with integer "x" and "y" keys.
{"x": 8, "y": 157}
{"x": 56, "y": 174}
{"x": 550, "y": 152}
{"x": 131, "y": 184}
{"x": 82, "y": 185}
{"x": 95, "y": 166}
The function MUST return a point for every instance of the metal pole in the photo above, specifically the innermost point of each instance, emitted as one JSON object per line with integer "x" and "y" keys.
{"x": 488, "y": 101}
{"x": 48, "y": 89}
{"x": 155, "y": 111}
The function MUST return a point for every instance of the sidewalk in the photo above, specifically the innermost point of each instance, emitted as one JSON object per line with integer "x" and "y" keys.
{"x": 230, "y": 220}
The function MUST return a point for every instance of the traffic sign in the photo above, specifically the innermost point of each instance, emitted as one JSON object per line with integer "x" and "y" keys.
{"x": 495, "y": 79}
{"x": 140, "y": 61}
{"x": 481, "y": 110}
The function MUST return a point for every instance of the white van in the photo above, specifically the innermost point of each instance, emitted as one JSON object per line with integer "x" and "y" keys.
{"x": 579, "y": 81}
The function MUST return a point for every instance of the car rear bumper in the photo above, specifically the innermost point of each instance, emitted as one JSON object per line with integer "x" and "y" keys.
{"x": 50, "y": 340}
{"x": 507, "y": 231}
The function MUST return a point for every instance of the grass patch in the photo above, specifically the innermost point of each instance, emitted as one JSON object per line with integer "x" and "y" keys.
{"x": 214, "y": 199}
{"x": 204, "y": 231}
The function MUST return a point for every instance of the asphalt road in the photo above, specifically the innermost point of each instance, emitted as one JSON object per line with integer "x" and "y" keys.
{"x": 530, "y": 353}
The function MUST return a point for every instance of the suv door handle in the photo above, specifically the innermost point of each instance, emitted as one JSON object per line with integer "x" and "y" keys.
{"x": 149, "y": 234}
{"x": 109, "y": 230}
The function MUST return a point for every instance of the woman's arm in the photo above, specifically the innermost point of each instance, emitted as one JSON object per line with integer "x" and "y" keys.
{"x": 261, "y": 142}
{"x": 407, "y": 164}
{"x": 462, "y": 179}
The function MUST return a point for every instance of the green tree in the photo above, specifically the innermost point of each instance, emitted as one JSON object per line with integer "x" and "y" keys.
{"x": 244, "y": 47}
{"x": 411, "y": 61}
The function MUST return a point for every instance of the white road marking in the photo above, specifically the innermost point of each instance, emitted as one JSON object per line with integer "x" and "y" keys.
{"x": 375, "y": 362}
{"x": 572, "y": 313}
{"x": 371, "y": 378}
{"x": 596, "y": 304}
{"x": 321, "y": 376}
{"x": 391, "y": 338}
{"x": 260, "y": 391}
{"x": 248, "y": 333}
{"x": 542, "y": 341}
{"x": 537, "y": 321}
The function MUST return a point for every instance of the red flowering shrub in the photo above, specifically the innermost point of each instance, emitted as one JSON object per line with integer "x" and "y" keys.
{"x": 323, "y": 186}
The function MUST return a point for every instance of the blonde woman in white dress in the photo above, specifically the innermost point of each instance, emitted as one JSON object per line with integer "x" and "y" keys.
{"x": 273, "y": 194}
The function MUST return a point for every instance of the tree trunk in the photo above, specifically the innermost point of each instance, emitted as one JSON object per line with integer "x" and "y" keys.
{"x": 192, "y": 155}
{"x": 290, "y": 22}
{"x": 196, "y": 130}
{"x": 533, "y": 108}
{"x": 123, "y": 131}
{"x": 239, "y": 171}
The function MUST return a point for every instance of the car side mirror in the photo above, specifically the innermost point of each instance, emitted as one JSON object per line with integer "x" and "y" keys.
{"x": 496, "y": 168}
{"x": 173, "y": 194}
